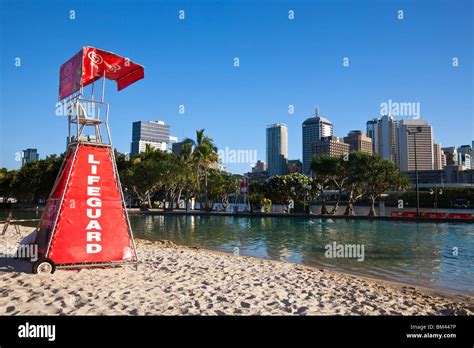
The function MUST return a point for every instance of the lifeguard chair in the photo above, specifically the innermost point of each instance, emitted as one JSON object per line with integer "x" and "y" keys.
{"x": 85, "y": 222}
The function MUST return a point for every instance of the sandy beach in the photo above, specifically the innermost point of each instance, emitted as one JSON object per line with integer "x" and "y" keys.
{"x": 179, "y": 280}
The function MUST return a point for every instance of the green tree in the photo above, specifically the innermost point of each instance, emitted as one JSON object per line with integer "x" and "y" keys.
{"x": 357, "y": 171}
{"x": 296, "y": 186}
{"x": 205, "y": 156}
{"x": 325, "y": 169}
{"x": 380, "y": 176}
{"x": 144, "y": 175}
{"x": 33, "y": 182}
{"x": 221, "y": 185}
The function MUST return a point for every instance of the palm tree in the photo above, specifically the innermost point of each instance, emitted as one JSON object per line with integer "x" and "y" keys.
{"x": 185, "y": 161}
{"x": 204, "y": 154}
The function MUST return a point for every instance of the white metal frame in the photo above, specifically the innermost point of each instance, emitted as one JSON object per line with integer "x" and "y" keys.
{"x": 76, "y": 101}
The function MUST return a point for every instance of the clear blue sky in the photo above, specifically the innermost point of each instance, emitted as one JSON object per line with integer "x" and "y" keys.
{"x": 282, "y": 62}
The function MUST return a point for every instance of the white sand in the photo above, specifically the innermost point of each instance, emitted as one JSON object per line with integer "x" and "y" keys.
{"x": 175, "y": 280}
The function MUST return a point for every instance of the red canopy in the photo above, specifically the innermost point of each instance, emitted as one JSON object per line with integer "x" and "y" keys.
{"x": 90, "y": 64}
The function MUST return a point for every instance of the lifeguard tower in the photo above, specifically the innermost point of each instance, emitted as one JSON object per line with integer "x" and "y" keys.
{"x": 85, "y": 222}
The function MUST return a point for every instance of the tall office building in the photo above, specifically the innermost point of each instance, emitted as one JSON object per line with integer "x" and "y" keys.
{"x": 154, "y": 133}
{"x": 424, "y": 145}
{"x": 277, "y": 149}
{"x": 314, "y": 128}
{"x": 439, "y": 157}
{"x": 372, "y": 132}
{"x": 28, "y": 156}
{"x": 465, "y": 156}
{"x": 384, "y": 134}
{"x": 331, "y": 146}
{"x": 359, "y": 141}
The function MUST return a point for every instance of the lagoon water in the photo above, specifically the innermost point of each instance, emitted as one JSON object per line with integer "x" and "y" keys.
{"x": 436, "y": 255}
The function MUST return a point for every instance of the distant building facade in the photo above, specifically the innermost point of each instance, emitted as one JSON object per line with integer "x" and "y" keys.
{"x": 451, "y": 154}
{"x": 331, "y": 146}
{"x": 314, "y": 128}
{"x": 259, "y": 172}
{"x": 172, "y": 140}
{"x": 424, "y": 145}
{"x": 295, "y": 166}
{"x": 277, "y": 149}
{"x": 359, "y": 141}
{"x": 153, "y": 133}
{"x": 451, "y": 174}
{"x": 259, "y": 167}
{"x": 465, "y": 156}
{"x": 439, "y": 157}
{"x": 29, "y": 156}
{"x": 384, "y": 134}
{"x": 177, "y": 148}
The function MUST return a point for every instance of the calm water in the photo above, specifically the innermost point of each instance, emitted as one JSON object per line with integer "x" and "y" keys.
{"x": 419, "y": 253}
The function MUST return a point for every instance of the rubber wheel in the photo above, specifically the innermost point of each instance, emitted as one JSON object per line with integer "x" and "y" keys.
{"x": 44, "y": 266}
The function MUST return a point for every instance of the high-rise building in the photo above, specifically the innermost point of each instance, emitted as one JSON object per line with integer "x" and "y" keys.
{"x": 314, "y": 128}
{"x": 451, "y": 154}
{"x": 28, "y": 156}
{"x": 277, "y": 149}
{"x": 359, "y": 141}
{"x": 439, "y": 157}
{"x": 153, "y": 133}
{"x": 424, "y": 145}
{"x": 384, "y": 134}
{"x": 332, "y": 146}
{"x": 372, "y": 132}
{"x": 465, "y": 156}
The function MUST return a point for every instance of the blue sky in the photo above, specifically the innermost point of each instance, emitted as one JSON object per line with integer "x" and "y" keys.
{"x": 282, "y": 62}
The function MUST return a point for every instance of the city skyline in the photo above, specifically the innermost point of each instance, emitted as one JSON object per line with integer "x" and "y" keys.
{"x": 402, "y": 124}
{"x": 192, "y": 80}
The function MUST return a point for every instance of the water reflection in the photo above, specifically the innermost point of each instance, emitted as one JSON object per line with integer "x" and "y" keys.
{"x": 412, "y": 252}
{"x": 420, "y": 253}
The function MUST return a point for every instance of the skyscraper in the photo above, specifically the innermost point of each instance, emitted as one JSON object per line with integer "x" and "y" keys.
{"x": 28, "y": 156}
{"x": 424, "y": 145}
{"x": 384, "y": 134}
{"x": 154, "y": 133}
{"x": 314, "y": 128}
{"x": 277, "y": 149}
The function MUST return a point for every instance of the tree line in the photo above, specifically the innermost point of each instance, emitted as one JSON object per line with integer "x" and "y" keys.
{"x": 148, "y": 177}
{"x": 156, "y": 176}
{"x": 355, "y": 176}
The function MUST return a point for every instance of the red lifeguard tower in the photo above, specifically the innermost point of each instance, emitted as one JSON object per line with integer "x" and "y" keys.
{"x": 85, "y": 221}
